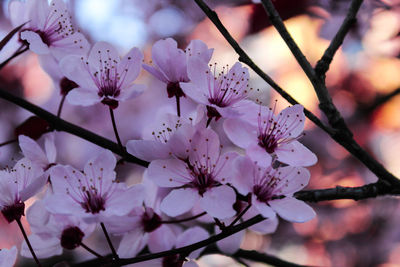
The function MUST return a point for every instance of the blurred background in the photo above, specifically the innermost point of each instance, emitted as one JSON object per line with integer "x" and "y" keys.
{"x": 364, "y": 70}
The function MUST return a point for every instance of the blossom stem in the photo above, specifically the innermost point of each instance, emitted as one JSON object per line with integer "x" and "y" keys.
{"x": 16, "y": 53}
{"x": 60, "y": 106}
{"x": 186, "y": 219}
{"x": 240, "y": 215}
{"x": 178, "y": 106}
{"x": 27, "y": 242}
{"x": 115, "y": 130}
{"x": 91, "y": 250}
{"x": 114, "y": 252}
{"x": 8, "y": 142}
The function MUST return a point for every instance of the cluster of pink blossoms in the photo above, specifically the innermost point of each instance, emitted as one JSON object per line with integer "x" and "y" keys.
{"x": 190, "y": 175}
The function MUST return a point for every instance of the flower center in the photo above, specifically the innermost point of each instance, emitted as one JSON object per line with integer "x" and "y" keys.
{"x": 203, "y": 180}
{"x": 268, "y": 142}
{"x": 71, "y": 237}
{"x": 174, "y": 89}
{"x": 151, "y": 221}
{"x": 93, "y": 203}
{"x": 13, "y": 212}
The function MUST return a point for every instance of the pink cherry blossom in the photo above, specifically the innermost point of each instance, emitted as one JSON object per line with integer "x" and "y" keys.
{"x": 17, "y": 185}
{"x": 167, "y": 137}
{"x": 171, "y": 62}
{"x": 48, "y": 28}
{"x": 272, "y": 189}
{"x": 200, "y": 178}
{"x": 53, "y": 232}
{"x": 8, "y": 256}
{"x": 222, "y": 93}
{"x": 103, "y": 76}
{"x": 93, "y": 194}
{"x": 32, "y": 151}
{"x": 264, "y": 135}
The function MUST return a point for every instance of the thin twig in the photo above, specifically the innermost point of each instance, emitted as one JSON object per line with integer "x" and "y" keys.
{"x": 380, "y": 100}
{"x": 91, "y": 251}
{"x": 60, "y": 106}
{"x": 251, "y": 255}
{"x": 21, "y": 227}
{"x": 325, "y": 101}
{"x": 240, "y": 215}
{"x": 323, "y": 64}
{"x": 116, "y": 130}
{"x": 183, "y": 250}
{"x": 17, "y": 53}
{"x": 114, "y": 252}
{"x": 62, "y": 125}
{"x": 8, "y": 142}
{"x": 185, "y": 219}
{"x": 355, "y": 193}
{"x": 178, "y": 106}
{"x": 341, "y": 137}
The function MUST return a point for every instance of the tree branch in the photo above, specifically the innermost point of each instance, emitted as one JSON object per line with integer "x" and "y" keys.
{"x": 323, "y": 64}
{"x": 356, "y": 193}
{"x": 341, "y": 137}
{"x": 325, "y": 101}
{"x": 62, "y": 125}
{"x": 251, "y": 255}
{"x": 183, "y": 250}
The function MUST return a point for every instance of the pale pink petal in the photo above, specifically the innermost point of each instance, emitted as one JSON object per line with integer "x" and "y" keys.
{"x": 259, "y": 155}
{"x": 158, "y": 74}
{"x": 169, "y": 59}
{"x": 131, "y": 92}
{"x": 35, "y": 181}
{"x": 16, "y": 11}
{"x": 295, "y": 154}
{"x": 123, "y": 202}
{"x": 132, "y": 243}
{"x": 102, "y": 53}
{"x": 265, "y": 210}
{"x": 179, "y": 201}
{"x": 267, "y": 226}
{"x": 44, "y": 248}
{"x": 169, "y": 173}
{"x": 63, "y": 204}
{"x": 83, "y": 97}
{"x": 292, "y": 209}
{"x": 161, "y": 239}
{"x": 35, "y": 42}
{"x": 148, "y": 150}
{"x": 51, "y": 67}
{"x": 8, "y": 256}
{"x": 224, "y": 169}
{"x": 190, "y": 263}
{"x": 129, "y": 67}
{"x": 199, "y": 73}
{"x": 37, "y": 214}
{"x": 205, "y": 147}
{"x": 244, "y": 178}
{"x": 74, "y": 44}
{"x": 191, "y": 236}
{"x": 231, "y": 244}
{"x": 197, "y": 48}
{"x": 64, "y": 176}
{"x": 240, "y": 132}
{"x": 218, "y": 202}
{"x": 192, "y": 91}
{"x": 32, "y": 150}
{"x": 293, "y": 118}
{"x": 75, "y": 68}
{"x": 50, "y": 148}
{"x": 180, "y": 141}
{"x": 295, "y": 179}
